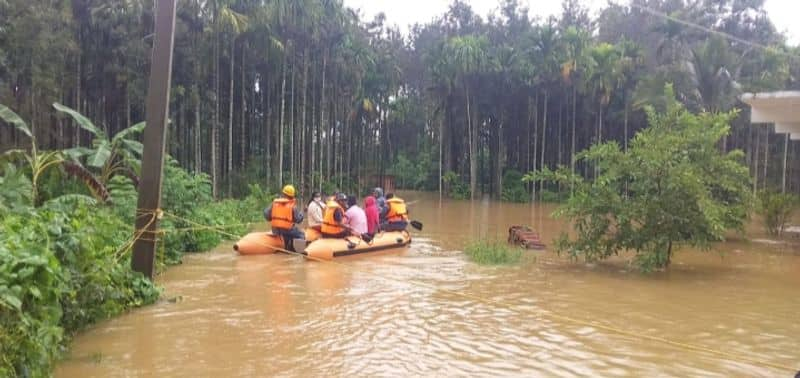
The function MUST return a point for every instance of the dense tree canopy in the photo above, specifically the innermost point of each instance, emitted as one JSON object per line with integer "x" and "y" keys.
{"x": 305, "y": 91}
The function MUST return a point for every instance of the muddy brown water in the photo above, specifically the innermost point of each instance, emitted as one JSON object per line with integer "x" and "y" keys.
{"x": 427, "y": 311}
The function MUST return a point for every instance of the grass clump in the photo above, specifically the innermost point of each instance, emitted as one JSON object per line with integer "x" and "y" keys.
{"x": 492, "y": 252}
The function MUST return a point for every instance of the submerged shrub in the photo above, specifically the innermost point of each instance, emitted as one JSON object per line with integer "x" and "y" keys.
{"x": 777, "y": 209}
{"x": 492, "y": 252}
{"x": 457, "y": 188}
{"x": 672, "y": 187}
{"x": 513, "y": 187}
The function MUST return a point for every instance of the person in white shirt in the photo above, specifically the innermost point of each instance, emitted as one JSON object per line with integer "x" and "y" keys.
{"x": 315, "y": 211}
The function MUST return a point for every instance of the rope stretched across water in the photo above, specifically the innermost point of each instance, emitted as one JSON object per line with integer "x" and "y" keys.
{"x": 509, "y": 306}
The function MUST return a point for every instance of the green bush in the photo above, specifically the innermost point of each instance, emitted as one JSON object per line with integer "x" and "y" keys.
{"x": 64, "y": 258}
{"x": 671, "y": 187}
{"x": 458, "y": 189}
{"x": 777, "y": 209}
{"x": 492, "y": 252}
{"x": 413, "y": 174}
{"x": 551, "y": 196}
{"x": 513, "y": 187}
{"x": 59, "y": 272}
{"x": 60, "y": 264}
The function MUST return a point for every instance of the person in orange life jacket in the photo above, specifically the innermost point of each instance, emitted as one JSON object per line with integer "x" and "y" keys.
{"x": 395, "y": 217}
{"x": 333, "y": 220}
{"x": 315, "y": 210}
{"x": 283, "y": 217}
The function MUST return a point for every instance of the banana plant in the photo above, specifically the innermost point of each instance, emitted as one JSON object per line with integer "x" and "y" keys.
{"x": 110, "y": 156}
{"x": 39, "y": 161}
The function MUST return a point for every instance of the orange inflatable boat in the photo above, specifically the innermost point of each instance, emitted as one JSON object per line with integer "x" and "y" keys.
{"x": 259, "y": 243}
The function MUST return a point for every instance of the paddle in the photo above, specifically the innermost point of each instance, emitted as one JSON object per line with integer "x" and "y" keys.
{"x": 416, "y": 224}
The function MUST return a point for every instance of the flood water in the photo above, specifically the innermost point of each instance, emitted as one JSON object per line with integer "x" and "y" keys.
{"x": 427, "y": 311}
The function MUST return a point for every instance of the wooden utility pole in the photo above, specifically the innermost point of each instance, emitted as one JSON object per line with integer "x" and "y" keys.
{"x": 144, "y": 248}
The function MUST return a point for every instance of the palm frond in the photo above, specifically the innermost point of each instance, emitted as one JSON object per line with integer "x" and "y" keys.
{"x": 15, "y": 120}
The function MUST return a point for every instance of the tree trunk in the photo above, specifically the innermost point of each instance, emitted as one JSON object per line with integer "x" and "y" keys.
{"x": 560, "y": 127}
{"x": 535, "y": 142}
{"x": 282, "y": 118}
{"x": 766, "y": 158}
{"x": 127, "y": 108}
{"x": 303, "y": 126}
{"x": 755, "y": 164}
{"x": 600, "y": 126}
{"x": 78, "y": 93}
{"x": 313, "y": 141}
{"x": 572, "y": 142}
{"x": 599, "y": 138}
{"x": 243, "y": 140}
{"x": 544, "y": 139}
{"x": 268, "y": 135}
{"x": 473, "y": 163}
{"x": 441, "y": 143}
{"x": 499, "y": 158}
{"x": 215, "y": 121}
{"x": 291, "y": 126}
{"x": 229, "y": 168}
{"x": 198, "y": 157}
{"x": 785, "y": 156}
{"x": 322, "y": 118}
{"x": 625, "y": 124}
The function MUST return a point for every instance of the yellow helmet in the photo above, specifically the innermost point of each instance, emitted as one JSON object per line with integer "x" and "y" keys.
{"x": 289, "y": 190}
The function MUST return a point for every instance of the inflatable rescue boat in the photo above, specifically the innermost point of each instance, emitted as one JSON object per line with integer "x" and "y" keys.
{"x": 260, "y": 243}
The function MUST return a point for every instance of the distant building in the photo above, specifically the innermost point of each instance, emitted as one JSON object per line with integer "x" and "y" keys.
{"x": 781, "y": 108}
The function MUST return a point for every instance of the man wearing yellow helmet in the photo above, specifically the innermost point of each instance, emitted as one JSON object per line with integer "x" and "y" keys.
{"x": 283, "y": 216}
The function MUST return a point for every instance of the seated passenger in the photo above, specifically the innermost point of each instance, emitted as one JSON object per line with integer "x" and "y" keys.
{"x": 282, "y": 216}
{"x": 333, "y": 220}
{"x": 355, "y": 217}
{"x": 396, "y": 215}
{"x": 373, "y": 215}
{"x": 315, "y": 210}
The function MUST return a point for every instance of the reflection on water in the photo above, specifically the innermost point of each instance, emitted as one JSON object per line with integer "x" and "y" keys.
{"x": 419, "y": 311}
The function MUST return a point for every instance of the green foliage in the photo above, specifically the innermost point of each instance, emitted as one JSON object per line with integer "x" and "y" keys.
{"x": 15, "y": 191}
{"x": 513, "y": 187}
{"x": 457, "y": 188}
{"x": 413, "y": 174}
{"x": 188, "y": 196}
{"x": 492, "y": 252}
{"x": 672, "y": 187}
{"x": 61, "y": 268}
{"x": 59, "y": 271}
{"x": 552, "y": 196}
{"x": 110, "y": 155}
{"x": 777, "y": 210}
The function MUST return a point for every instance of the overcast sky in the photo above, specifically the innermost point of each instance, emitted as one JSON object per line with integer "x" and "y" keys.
{"x": 784, "y": 13}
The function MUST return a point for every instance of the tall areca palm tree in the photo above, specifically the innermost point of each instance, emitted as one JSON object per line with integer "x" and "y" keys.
{"x": 631, "y": 62}
{"x": 546, "y": 53}
{"x": 575, "y": 70}
{"x": 605, "y": 79}
{"x": 469, "y": 57}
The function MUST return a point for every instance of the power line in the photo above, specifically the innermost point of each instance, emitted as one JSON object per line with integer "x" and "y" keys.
{"x": 708, "y": 30}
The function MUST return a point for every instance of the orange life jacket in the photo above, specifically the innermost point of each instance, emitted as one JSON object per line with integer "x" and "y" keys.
{"x": 329, "y": 224}
{"x": 282, "y": 214}
{"x": 397, "y": 210}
